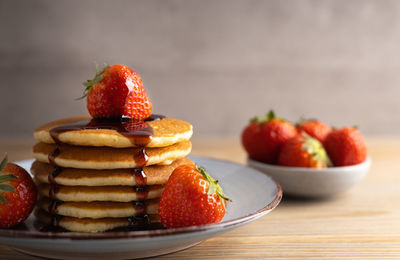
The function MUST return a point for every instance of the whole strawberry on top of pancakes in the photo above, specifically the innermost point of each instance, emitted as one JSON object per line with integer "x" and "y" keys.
{"x": 116, "y": 91}
{"x": 108, "y": 170}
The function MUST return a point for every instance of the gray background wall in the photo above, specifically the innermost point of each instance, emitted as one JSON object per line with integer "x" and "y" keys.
{"x": 215, "y": 63}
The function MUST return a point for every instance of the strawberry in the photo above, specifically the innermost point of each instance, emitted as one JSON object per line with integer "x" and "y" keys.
{"x": 314, "y": 128}
{"x": 263, "y": 137}
{"x": 303, "y": 151}
{"x": 17, "y": 194}
{"x": 191, "y": 197}
{"x": 346, "y": 146}
{"x": 117, "y": 91}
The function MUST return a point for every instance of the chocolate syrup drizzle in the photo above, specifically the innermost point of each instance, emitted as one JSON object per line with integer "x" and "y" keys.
{"x": 140, "y": 135}
{"x": 54, "y": 154}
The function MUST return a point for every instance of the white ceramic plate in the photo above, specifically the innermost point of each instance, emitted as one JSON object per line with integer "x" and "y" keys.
{"x": 309, "y": 182}
{"x": 254, "y": 194}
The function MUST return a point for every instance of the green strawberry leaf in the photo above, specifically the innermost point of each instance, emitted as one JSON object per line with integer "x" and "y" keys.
{"x": 3, "y": 200}
{"x": 214, "y": 187}
{"x": 98, "y": 79}
{"x": 7, "y": 177}
{"x": 6, "y": 187}
{"x": 316, "y": 149}
{"x": 267, "y": 117}
{"x": 211, "y": 190}
{"x": 4, "y": 162}
{"x": 89, "y": 83}
{"x": 271, "y": 115}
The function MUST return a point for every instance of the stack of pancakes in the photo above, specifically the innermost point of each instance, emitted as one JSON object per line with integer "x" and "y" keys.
{"x": 94, "y": 176}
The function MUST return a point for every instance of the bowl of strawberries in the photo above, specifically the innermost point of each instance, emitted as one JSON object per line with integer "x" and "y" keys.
{"x": 309, "y": 159}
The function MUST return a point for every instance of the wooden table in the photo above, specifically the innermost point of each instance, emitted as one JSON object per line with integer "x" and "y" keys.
{"x": 359, "y": 224}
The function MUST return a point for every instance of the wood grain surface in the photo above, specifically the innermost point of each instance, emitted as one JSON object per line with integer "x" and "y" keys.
{"x": 363, "y": 223}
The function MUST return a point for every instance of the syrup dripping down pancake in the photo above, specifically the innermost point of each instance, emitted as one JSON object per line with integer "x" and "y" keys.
{"x": 155, "y": 175}
{"x": 166, "y": 132}
{"x": 101, "y": 193}
{"x": 100, "y": 209}
{"x": 97, "y": 225}
{"x": 83, "y": 157}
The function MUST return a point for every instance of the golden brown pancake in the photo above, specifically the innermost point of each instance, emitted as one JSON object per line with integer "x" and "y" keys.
{"x": 91, "y": 225}
{"x": 166, "y": 132}
{"x": 102, "y": 193}
{"x": 100, "y": 209}
{"x": 156, "y": 175}
{"x": 83, "y": 157}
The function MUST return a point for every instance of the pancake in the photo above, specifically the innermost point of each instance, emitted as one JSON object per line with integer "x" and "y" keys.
{"x": 166, "y": 132}
{"x": 83, "y": 157}
{"x": 93, "y": 225}
{"x": 102, "y": 193}
{"x": 100, "y": 209}
{"x": 155, "y": 175}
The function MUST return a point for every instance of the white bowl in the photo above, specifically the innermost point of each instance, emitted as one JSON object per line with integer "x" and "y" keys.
{"x": 309, "y": 182}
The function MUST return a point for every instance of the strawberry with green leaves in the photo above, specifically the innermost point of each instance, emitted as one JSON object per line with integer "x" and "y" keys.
{"x": 17, "y": 194}
{"x": 117, "y": 91}
{"x": 303, "y": 151}
{"x": 264, "y": 136}
{"x": 191, "y": 197}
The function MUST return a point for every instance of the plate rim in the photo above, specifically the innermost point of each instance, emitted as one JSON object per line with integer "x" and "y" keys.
{"x": 11, "y": 233}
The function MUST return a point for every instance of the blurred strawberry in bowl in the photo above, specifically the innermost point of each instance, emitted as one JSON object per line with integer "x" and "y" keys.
{"x": 303, "y": 151}
{"x": 263, "y": 137}
{"x": 314, "y": 128}
{"x": 346, "y": 146}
